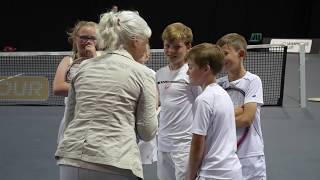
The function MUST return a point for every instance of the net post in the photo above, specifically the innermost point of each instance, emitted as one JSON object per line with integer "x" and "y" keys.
{"x": 302, "y": 69}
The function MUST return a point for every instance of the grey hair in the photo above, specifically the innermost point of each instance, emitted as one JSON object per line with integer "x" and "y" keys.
{"x": 116, "y": 28}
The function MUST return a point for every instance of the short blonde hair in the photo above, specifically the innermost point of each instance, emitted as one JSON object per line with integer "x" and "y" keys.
{"x": 234, "y": 40}
{"x": 177, "y": 31}
{"x": 207, "y": 54}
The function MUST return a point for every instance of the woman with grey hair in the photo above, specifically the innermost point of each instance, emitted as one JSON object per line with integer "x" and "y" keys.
{"x": 112, "y": 102}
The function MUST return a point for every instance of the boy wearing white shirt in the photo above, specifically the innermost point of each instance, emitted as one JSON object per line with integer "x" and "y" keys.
{"x": 250, "y": 147}
{"x": 213, "y": 146}
{"x": 176, "y": 99}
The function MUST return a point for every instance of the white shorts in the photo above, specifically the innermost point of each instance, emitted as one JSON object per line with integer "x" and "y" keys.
{"x": 148, "y": 151}
{"x": 172, "y": 165}
{"x": 254, "y": 168}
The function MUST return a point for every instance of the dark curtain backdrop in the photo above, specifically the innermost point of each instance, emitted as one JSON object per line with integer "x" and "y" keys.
{"x": 42, "y": 26}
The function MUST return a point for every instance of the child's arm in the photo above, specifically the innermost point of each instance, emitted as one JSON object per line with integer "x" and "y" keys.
{"x": 245, "y": 115}
{"x": 60, "y": 86}
{"x": 238, "y": 111}
{"x": 253, "y": 99}
{"x": 196, "y": 156}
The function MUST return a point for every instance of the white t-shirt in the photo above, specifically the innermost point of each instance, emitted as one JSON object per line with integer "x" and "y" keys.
{"x": 176, "y": 100}
{"x": 252, "y": 86}
{"x": 214, "y": 118}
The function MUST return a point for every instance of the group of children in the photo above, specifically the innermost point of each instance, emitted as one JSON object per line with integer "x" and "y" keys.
{"x": 197, "y": 122}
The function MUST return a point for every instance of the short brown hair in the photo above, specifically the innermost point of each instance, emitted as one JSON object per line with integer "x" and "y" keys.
{"x": 207, "y": 54}
{"x": 177, "y": 31}
{"x": 234, "y": 40}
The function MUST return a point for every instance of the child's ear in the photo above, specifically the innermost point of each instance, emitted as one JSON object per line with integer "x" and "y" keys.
{"x": 189, "y": 46}
{"x": 242, "y": 53}
{"x": 207, "y": 68}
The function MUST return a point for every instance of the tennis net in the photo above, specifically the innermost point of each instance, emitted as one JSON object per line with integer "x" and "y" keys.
{"x": 26, "y": 77}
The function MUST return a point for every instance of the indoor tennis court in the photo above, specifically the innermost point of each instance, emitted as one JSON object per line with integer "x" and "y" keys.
{"x": 29, "y": 129}
{"x": 34, "y": 40}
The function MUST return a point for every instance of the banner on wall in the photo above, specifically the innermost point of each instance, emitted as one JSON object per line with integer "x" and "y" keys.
{"x": 293, "y": 44}
{"x": 24, "y": 88}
